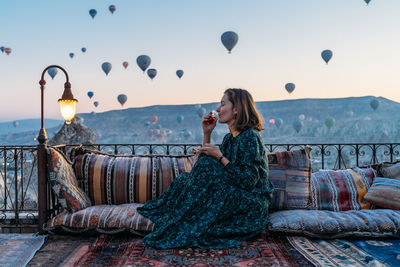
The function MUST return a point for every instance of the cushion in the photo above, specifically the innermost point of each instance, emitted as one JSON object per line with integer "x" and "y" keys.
{"x": 120, "y": 179}
{"x": 63, "y": 182}
{"x": 331, "y": 224}
{"x": 290, "y": 172}
{"x": 385, "y": 193}
{"x": 102, "y": 218}
{"x": 341, "y": 190}
{"x": 389, "y": 170}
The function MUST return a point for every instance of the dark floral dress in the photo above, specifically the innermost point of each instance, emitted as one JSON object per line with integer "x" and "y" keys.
{"x": 215, "y": 206}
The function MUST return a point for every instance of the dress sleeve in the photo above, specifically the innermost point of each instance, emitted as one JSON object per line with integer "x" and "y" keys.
{"x": 244, "y": 172}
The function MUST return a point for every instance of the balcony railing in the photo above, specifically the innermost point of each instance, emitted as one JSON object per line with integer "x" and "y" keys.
{"x": 19, "y": 185}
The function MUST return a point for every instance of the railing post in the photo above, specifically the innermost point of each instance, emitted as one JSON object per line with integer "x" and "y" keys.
{"x": 42, "y": 185}
{"x": 16, "y": 211}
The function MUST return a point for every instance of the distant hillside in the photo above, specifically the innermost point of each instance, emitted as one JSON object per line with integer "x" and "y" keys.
{"x": 26, "y": 125}
{"x": 355, "y": 122}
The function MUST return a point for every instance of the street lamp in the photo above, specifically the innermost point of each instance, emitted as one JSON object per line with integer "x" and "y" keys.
{"x": 67, "y": 103}
{"x": 68, "y": 109}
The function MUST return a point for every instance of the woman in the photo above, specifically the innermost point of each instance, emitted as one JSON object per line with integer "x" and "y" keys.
{"x": 224, "y": 200}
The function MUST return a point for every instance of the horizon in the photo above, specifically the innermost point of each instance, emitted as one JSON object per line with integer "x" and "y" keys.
{"x": 192, "y": 104}
{"x": 279, "y": 42}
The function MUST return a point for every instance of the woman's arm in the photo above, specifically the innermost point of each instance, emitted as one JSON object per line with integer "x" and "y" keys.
{"x": 206, "y": 138}
{"x": 244, "y": 172}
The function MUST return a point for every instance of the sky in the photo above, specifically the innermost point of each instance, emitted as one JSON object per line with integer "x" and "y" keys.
{"x": 280, "y": 41}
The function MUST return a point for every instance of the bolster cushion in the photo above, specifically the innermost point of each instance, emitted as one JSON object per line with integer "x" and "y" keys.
{"x": 119, "y": 179}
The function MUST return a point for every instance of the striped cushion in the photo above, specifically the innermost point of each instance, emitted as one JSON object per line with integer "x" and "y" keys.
{"x": 289, "y": 172}
{"x": 385, "y": 193}
{"x": 102, "y": 218}
{"x": 340, "y": 190}
{"x": 118, "y": 179}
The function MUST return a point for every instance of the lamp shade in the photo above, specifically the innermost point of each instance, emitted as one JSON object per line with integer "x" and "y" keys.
{"x": 68, "y": 109}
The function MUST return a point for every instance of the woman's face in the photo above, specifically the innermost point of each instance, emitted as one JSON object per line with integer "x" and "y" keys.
{"x": 226, "y": 112}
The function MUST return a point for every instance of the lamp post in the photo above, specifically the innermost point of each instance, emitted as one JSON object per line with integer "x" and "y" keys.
{"x": 68, "y": 108}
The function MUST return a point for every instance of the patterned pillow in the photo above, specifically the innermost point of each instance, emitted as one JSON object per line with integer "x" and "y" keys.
{"x": 331, "y": 224}
{"x": 340, "y": 190}
{"x": 118, "y": 179}
{"x": 385, "y": 193}
{"x": 63, "y": 182}
{"x": 289, "y": 172}
{"x": 102, "y": 218}
{"x": 389, "y": 170}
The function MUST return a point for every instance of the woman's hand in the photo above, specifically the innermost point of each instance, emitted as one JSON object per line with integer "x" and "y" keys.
{"x": 210, "y": 150}
{"x": 208, "y": 124}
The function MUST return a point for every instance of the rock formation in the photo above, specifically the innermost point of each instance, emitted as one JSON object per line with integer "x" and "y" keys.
{"x": 74, "y": 133}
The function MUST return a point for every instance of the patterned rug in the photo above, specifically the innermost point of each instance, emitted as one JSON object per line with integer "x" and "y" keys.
{"x": 350, "y": 252}
{"x": 277, "y": 250}
{"x": 120, "y": 250}
{"x": 17, "y": 250}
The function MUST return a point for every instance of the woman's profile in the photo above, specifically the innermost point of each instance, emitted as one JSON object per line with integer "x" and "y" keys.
{"x": 224, "y": 200}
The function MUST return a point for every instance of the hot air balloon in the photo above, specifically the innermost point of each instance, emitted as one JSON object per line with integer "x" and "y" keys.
{"x": 92, "y": 13}
{"x": 106, "y": 66}
{"x": 2, "y": 49}
{"x": 297, "y": 125}
{"x": 152, "y": 73}
{"x": 71, "y": 55}
{"x": 374, "y": 104}
{"x": 367, "y": 1}
{"x": 96, "y": 104}
{"x": 125, "y": 64}
{"x": 179, "y": 73}
{"x": 90, "y": 94}
{"x": 7, "y": 50}
{"x": 329, "y": 122}
{"x": 83, "y": 49}
{"x": 302, "y": 117}
{"x": 52, "y": 72}
{"x": 122, "y": 99}
{"x": 272, "y": 121}
{"x": 290, "y": 87}
{"x": 326, "y": 55}
{"x": 112, "y": 9}
{"x": 15, "y": 123}
{"x": 278, "y": 122}
{"x": 154, "y": 119}
{"x": 201, "y": 112}
{"x": 179, "y": 118}
{"x": 186, "y": 133}
{"x": 143, "y": 62}
{"x": 229, "y": 40}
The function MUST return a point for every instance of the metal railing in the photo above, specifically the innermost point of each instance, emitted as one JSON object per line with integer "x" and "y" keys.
{"x": 19, "y": 182}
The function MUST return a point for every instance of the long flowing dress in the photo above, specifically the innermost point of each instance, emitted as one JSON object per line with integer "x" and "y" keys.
{"x": 215, "y": 206}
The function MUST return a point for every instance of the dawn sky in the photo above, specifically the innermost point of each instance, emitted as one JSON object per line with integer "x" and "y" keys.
{"x": 280, "y": 41}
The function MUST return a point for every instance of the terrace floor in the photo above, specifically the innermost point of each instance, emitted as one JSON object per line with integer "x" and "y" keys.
{"x": 264, "y": 250}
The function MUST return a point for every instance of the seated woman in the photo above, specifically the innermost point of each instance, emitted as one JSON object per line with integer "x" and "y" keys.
{"x": 224, "y": 200}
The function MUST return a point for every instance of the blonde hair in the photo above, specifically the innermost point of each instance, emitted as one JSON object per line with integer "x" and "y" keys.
{"x": 247, "y": 114}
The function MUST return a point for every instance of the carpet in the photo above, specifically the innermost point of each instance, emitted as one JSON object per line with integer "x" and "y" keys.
{"x": 349, "y": 252}
{"x": 17, "y": 250}
{"x": 264, "y": 250}
{"x": 120, "y": 250}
